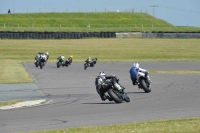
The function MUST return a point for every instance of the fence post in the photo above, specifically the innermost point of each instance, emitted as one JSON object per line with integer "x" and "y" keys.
{"x": 33, "y": 27}
{"x": 89, "y": 26}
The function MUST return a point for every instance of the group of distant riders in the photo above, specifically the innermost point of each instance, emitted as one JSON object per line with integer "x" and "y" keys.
{"x": 104, "y": 82}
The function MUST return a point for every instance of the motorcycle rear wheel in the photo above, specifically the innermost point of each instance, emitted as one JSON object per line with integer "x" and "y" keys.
{"x": 115, "y": 95}
{"x": 144, "y": 86}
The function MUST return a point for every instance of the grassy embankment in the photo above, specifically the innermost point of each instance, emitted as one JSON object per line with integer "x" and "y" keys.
{"x": 78, "y": 22}
{"x": 14, "y": 52}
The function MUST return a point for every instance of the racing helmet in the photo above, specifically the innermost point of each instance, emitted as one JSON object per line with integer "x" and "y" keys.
{"x": 136, "y": 65}
{"x": 71, "y": 56}
{"x": 47, "y": 53}
{"x": 102, "y": 74}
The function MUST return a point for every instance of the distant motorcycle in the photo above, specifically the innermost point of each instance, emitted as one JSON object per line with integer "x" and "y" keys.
{"x": 144, "y": 83}
{"x": 115, "y": 94}
{"x": 37, "y": 60}
{"x": 63, "y": 63}
{"x": 60, "y": 63}
{"x": 91, "y": 64}
{"x": 40, "y": 60}
{"x": 67, "y": 62}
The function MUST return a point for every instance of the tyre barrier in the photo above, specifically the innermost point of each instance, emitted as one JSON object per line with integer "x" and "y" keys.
{"x": 80, "y": 35}
{"x": 55, "y": 35}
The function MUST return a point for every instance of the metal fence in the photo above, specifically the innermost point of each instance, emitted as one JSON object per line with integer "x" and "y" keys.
{"x": 95, "y": 28}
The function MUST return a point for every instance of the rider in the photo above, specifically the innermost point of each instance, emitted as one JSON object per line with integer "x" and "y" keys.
{"x": 101, "y": 89}
{"x": 88, "y": 60}
{"x": 61, "y": 58}
{"x": 136, "y": 72}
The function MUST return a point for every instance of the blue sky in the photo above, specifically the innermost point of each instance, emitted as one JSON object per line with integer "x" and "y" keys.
{"x": 176, "y": 12}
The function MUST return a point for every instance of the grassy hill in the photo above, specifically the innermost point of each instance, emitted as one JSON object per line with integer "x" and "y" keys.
{"x": 110, "y": 21}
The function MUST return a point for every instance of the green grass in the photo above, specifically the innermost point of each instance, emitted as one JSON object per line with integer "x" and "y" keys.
{"x": 14, "y": 52}
{"x": 12, "y": 71}
{"x": 104, "y": 49}
{"x": 186, "y": 125}
{"x": 78, "y": 22}
{"x": 176, "y": 72}
{"x": 7, "y": 103}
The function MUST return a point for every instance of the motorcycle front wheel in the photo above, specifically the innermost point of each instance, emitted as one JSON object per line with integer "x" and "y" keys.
{"x": 115, "y": 95}
{"x": 41, "y": 65}
{"x": 58, "y": 64}
{"x": 127, "y": 99}
{"x": 85, "y": 66}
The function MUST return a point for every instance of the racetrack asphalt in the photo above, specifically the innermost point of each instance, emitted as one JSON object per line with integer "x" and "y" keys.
{"x": 74, "y": 101}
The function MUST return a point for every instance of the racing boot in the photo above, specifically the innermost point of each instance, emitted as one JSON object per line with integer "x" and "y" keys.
{"x": 103, "y": 98}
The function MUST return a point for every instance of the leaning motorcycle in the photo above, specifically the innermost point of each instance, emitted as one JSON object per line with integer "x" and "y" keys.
{"x": 118, "y": 95}
{"x": 37, "y": 60}
{"x": 145, "y": 83}
{"x": 42, "y": 61}
{"x": 91, "y": 64}
{"x": 60, "y": 62}
{"x": 67, "y": 63}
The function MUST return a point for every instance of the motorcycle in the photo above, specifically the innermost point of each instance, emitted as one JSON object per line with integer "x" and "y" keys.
{"x": 118, "y": 95}
{"x": 40, "y": 60}
{"x": 63, "y": 63}
{"x": 91, "y": 64}
{"x": 60, "y": 63}
{"x": 37, "y": 60}
{"x": 67, "y": 62}
{"x": 145, "y": 83}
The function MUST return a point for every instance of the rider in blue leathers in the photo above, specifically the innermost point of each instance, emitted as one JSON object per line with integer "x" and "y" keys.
{"x": 136, "y": 72}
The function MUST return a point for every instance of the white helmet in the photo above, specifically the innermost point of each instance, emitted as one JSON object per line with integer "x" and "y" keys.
{"x": 136, "y": 65}
{"x": 47, "y": 53}
{"x": 102, "y": 74}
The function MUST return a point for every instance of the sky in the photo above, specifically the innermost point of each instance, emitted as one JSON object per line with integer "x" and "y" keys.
{"x": 176, "y": 12}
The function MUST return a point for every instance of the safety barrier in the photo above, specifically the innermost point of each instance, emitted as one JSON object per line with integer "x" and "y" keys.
{"x": 56, "y": 35}
{"x": 79, "y": 35}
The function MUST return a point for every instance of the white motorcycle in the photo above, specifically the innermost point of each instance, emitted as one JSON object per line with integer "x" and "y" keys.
{"x": 145, "y": 83}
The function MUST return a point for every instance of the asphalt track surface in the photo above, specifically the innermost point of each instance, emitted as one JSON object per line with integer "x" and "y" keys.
{"x": 74, "y": 102}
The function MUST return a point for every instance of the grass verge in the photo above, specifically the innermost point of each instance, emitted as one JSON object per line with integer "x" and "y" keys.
{"x": 115, "y": 49}
{"x": 13, "y": 71}
{"x": 186, "y": 125}
{"x": 7, "y": 103}
{"x": 176, "y": 72}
